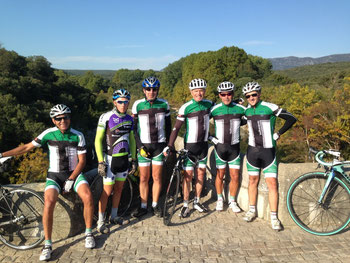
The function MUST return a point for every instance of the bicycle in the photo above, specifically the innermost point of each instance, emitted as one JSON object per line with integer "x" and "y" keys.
{"x": 20, "y": 216}
{"x": 319, "y": 202}
{"x": 174, "y": 194}
{"x": 127, "y": 197}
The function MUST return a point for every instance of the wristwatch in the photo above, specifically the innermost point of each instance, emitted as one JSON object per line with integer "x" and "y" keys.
{"x": 0, "y": 155}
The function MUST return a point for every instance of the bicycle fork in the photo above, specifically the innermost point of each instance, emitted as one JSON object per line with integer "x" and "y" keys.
{"x": 330, "y": 178}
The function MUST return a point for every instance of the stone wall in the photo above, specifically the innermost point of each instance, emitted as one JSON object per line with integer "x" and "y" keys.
{"x": 68, "y": 215}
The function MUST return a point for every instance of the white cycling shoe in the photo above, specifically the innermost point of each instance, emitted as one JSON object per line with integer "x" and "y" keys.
{"x": 89, "y": 241}
{"x": 220, "y": 205}
{"x": 235, "y": 208}
{"x": 276, "y": 224}
{"x": 45, "y": 253}
{"x": 249, "y": 216}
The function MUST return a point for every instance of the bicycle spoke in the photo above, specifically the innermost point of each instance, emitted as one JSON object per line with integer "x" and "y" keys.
{"x": 327, "y": 217}
{"x": 23, "y": 213}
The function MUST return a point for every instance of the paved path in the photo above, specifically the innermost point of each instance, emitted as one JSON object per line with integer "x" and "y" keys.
{"x": 213, "y": 237}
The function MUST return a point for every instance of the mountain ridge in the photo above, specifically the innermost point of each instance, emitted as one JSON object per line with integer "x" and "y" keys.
{"x": 292, "y": 61}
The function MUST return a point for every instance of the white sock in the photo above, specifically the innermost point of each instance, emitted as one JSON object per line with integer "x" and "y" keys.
{"x": 273, "y": 215}
{"x": 101, "y": 217}
{"x": 252, "y": 208}
{"x": 154, "y": 204}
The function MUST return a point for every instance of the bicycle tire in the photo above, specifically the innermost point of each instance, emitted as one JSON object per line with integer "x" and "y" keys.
{"x": 21, "y": 224}
{"x": 328, "y": 218}
{"x": 171, "y": 197}
{"x": 126, "y": 197}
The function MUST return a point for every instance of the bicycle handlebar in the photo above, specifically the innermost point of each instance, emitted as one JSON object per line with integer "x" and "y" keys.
{"x": 4, "y": 159}
{"x": 320, "y": 154}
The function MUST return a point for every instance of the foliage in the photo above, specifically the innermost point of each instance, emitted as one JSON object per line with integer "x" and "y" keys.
{"x": 226, "y": 64}
{"x": 327, "y": 75}
{"x": 319, "y": 96}
{"x": 32, "y": 167}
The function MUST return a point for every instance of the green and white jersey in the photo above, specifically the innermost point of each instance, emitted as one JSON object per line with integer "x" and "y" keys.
{"x": 261, "y": 124}
{"x": 196, "y": 115}
{"x": 227, "y": 122}
{"x": 64, "y": 148}
{"x": 151, "y": 119}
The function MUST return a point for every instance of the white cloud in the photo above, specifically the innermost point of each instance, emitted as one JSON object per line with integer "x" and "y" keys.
{"x": 89, "y": 62}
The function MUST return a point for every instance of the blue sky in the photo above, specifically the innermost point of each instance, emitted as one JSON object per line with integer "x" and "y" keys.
{"x": 150, "y": 34}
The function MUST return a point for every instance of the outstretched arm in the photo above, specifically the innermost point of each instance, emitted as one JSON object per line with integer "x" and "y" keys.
{"x": 19, "y": 150}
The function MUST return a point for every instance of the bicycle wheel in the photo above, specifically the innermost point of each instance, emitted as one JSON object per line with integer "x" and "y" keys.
{"x": 21, "y": 218}
{"x": 171, "y": 197}
{"x": 126, "y": 198}
{"x": 326, "y": 218}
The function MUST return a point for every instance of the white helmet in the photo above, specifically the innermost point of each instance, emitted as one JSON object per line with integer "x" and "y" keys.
{"x": 59, "y": 109}
{"x": 251, "y": 86}
{"x": 226, "y": 86}
{"x": 197, "y": 84}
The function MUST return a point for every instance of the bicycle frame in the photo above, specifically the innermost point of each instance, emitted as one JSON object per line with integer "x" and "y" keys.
{"x": 3, "y": 196}
{"x": 335, "y": 167}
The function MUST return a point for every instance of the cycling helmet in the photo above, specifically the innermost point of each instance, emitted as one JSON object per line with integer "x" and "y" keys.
{"x": 151, "y": 82}
{"x": 226, "y": 86}
{"x": 197, "y": 84}
{"x": 59, "y": 109}
{"x": 251, "y": 86}
{"x": 121, "y": 93}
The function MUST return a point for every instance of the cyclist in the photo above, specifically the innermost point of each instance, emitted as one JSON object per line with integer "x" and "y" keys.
{"x": 67, "y": 153}
{"x": 152, "y": 129}
{"x": 116, "y": 127}
{"x": 227, "y": 120}
{"x": 196, "y": 115}
{"x": 261, "y": 152}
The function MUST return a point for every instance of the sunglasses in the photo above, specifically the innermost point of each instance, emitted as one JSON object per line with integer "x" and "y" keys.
{"x": 225, "y": 94}
{"x": 252, "y": 95}
{"x": 153, "y": 89}
{"x": 122, "y": 101}
{"x": 61, "y": 118}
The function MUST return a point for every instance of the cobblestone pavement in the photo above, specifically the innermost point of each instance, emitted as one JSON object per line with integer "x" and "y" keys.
{"x": 212, "y": 237}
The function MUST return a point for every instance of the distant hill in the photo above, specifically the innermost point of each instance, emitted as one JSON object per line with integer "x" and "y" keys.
{"x": 108, "y": 74}
{"x": 292, "y": 62}
{"x": 318, "y": 74}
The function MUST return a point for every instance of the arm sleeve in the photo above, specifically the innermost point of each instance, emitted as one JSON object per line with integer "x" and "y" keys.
{"x": 98, "y": 144}
{"x": 176, "y": 129}
{"x": 289, "y": 120}
{"x": 136, "y": 134}
{"x": 132, "y": 145}
{"x": 167, "y": 127}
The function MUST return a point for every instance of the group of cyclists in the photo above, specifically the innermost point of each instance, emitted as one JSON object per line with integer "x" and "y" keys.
{"x": 147, "y": 137}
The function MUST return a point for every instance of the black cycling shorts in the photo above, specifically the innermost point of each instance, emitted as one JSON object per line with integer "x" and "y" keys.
{"x": 227, "y": 152}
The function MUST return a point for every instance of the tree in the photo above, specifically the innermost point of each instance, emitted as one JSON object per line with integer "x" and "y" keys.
{"x": 32, "y": 167}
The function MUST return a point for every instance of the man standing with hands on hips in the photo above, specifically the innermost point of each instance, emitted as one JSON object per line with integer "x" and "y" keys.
{"x": 261, "y": 152}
